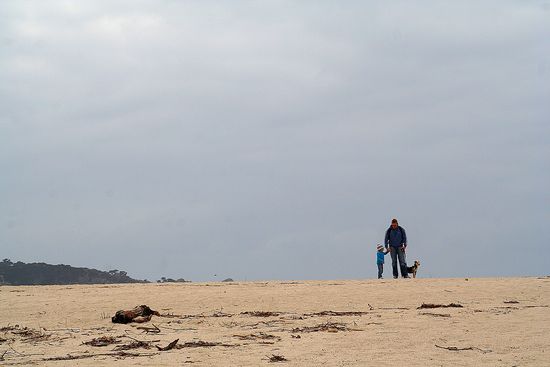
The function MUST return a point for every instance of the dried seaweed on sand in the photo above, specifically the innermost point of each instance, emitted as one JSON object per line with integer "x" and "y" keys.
{"x": 102, "y": 341}
{"x": 26, "y": 334}
{"x": 121, "y": 354}
{"x": 458, "y": 349}
{"x": 261, "y": 313}
{"x": 435, "y": 314}
{"x": 331, "y": 327}
{"x": 336, "y": 313}
{"x": 200, "y": 343}
{"x": 257, "y": 336}
{"x": 134, "y": 345}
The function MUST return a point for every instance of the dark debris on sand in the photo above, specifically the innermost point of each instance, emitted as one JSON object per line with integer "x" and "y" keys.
{"x": 200, "y": 343}
{"x": 434, "y": 305}
{"x": 70, "y": 357}
{"x": 261, "y": 313}
{"x": 331, "y": 327}
{"x": 134, "y": 345}
{"x": 256, "y": 336}
{"x": 336, "y": 313}
{"x": 102, "y": 341}
{"x": 25, "y": 334}
{"x": 277, "y": 358}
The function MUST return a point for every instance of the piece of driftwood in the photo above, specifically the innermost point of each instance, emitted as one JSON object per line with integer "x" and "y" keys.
{"x": 458, "y": 349}
{"x": 169, "y": 346}
{"x": 138, "y": 314}
{"x": 434, "y": 305}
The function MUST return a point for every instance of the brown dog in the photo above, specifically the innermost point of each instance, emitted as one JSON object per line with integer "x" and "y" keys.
{"x": 413, "y": 269}
{"x": 139, "y": 314}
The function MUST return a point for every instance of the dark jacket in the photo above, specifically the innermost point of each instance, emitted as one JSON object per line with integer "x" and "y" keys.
{"x": 396, "y": 237}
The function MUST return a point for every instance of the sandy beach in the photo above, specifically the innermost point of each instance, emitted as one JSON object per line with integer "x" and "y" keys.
{"x": 502, "y": 322}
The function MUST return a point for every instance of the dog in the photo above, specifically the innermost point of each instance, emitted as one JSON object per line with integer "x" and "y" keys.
{"x": 139, "y": 314}
{"x": 413, "y": 269}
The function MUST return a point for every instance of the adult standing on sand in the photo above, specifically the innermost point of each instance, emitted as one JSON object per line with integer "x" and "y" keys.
{"x": 396, "y": 243}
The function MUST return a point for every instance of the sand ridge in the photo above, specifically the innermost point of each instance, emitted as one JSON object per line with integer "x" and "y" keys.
{"x": 502, "y": 322}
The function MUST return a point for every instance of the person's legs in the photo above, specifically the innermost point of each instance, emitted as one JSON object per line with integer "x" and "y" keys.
{"x": 393, "y": 255}
{"x": 402, "y": 262}
{"x": 380, "y": 270}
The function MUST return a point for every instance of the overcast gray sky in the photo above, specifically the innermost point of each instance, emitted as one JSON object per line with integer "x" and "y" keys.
{"x": 275, "y": 139}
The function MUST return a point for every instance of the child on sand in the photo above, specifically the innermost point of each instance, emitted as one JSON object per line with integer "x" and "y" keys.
{"x": 380, "y": 253}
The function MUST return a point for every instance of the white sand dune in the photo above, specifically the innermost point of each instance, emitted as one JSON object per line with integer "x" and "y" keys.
{"x": 503, "y": 322}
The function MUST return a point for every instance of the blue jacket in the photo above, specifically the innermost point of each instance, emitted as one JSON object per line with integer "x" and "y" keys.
{"x": 380, "y": 256}
{"x": 396, "y": 237}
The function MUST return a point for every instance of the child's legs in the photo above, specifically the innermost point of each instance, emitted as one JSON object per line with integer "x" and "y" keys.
{"x": 380, "y": 270}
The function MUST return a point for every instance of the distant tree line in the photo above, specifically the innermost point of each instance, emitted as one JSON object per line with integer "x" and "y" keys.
{"x": 21, "y": 273}
{"x": 170, "y": 280}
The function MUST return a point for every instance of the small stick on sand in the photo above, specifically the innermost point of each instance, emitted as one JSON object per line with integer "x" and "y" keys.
{"x": 148, "y": 330}
{"x": 21, "y": 354}
{"x": 169, "y": 346}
